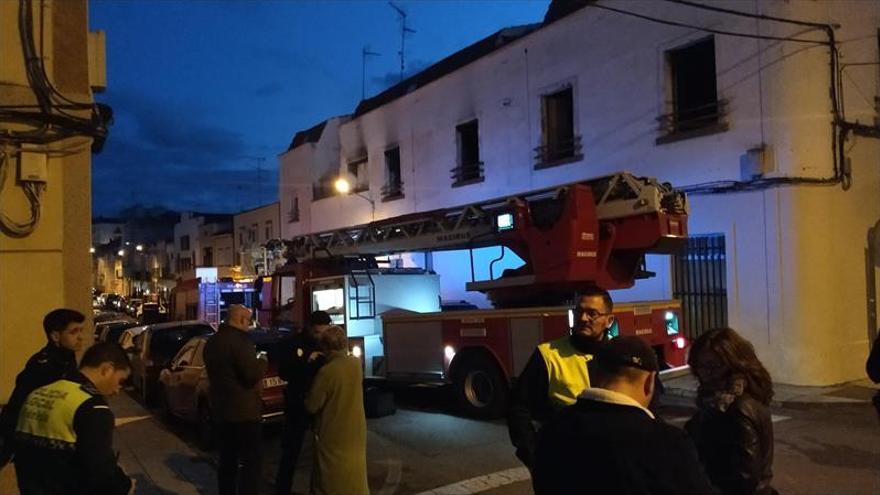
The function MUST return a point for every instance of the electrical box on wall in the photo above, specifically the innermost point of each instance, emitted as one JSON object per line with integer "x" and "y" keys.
{"x": 32, "y": 167}
{"x": 756, "y": 163}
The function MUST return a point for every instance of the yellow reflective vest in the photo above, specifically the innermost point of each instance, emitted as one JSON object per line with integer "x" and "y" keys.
{"x": 566, "y": 369}
{"x": 48, "y": 413}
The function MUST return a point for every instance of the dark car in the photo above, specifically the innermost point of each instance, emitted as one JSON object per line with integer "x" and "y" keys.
{"x": 183, "y": 385}
{"x": 154, "y": 349}
{"x": 110, "y": 332}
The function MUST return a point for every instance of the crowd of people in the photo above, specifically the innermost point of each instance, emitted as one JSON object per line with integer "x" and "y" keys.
{"x": 581, "y": 415}
{"x": 593, "y": 396}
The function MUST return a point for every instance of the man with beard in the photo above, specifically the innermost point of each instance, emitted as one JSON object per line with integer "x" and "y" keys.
{"x": 557, "y": 373}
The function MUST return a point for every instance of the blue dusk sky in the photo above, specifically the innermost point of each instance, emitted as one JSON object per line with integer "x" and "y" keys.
{"x": 206, "y": 94}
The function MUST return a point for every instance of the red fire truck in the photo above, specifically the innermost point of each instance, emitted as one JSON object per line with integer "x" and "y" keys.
{"x": 593, "y": 233}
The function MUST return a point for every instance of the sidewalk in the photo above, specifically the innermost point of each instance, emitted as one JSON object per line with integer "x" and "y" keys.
{"x": 160, "y": 461}
{"x": 682, "y": 383}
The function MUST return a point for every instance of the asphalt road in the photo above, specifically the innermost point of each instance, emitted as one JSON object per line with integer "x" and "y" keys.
{"x": 820, "y": 450}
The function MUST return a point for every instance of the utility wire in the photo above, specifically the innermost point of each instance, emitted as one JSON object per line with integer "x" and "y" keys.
{"x": 705, "y": 29}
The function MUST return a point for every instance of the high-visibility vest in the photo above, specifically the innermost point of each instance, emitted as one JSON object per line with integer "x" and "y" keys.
{"x": 566, "y": 369}
{"x": 48, "y": 412}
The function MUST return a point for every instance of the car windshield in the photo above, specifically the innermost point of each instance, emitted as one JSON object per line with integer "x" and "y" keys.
{"x": 166, "y": 342}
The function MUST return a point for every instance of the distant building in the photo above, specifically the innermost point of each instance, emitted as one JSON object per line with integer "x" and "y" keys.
{"x": 253, "y": 229}
{"x": 775, "y": 140}
{"x": 195, "y": 243}
{"x": 105, "y": 230}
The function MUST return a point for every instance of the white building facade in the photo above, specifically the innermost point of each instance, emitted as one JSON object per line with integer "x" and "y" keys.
{"x": 746, "y": 124}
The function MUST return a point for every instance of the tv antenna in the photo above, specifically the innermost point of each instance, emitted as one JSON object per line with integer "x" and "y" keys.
{"x": 365, "y": 52}
{"x": 403, "y": 31}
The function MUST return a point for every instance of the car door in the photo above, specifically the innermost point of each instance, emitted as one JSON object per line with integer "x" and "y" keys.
{"x": 177, "y": 377}
{"x": 192, "y": 375}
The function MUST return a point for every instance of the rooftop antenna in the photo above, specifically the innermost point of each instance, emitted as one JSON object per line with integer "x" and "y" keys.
{"x": 365, "y": 52}
{"x": 403, "y": 30}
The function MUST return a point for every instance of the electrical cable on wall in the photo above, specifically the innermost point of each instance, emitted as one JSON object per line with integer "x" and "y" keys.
{"x": 840, "y": 127}
{"x": 32, "y": 190}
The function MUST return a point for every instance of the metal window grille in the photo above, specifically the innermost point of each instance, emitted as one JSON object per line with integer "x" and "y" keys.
{"x": 700, "y": 283}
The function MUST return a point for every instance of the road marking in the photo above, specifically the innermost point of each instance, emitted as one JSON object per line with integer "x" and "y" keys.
{"x": 482, "y": 483}
{"x": 130, "y": 419}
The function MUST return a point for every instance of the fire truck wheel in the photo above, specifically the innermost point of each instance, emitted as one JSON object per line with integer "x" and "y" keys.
{"x": 480, "y": 387}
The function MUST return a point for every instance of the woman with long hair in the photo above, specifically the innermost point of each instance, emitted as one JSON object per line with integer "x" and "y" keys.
{"x": 732, "y": 428}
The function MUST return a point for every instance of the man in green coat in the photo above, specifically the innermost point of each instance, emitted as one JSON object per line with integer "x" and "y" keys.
{"x": 337, "y": 401}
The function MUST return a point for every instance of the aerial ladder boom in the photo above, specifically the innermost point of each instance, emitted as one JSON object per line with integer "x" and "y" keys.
{"x": 595, "y": 232}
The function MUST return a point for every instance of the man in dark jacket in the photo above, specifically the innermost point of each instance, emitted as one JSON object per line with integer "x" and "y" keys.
{"x": 557, "y": 372}
{"x": 64, "y": 333}
{"x": 609, "y": 442}
{"x": 64, "y": 437}
{"x": 235, "y": 372}
{"x": 298, "y": 364}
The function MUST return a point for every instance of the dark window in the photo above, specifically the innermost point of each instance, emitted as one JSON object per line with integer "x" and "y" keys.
{"x": 393, "y": 180}
{"x": 694, "y": 90}
{"x": 324, "y": 188}
{"x": 293, "y": 214}
{"x": 269, "y": 232}
{"x": 241, "y": 236}
{"x": 469, "y": 168}
{"x": 358, "y": 170}
{"x": 208, "y": 257}
{"x": 252, "y": 233}
{"x": 558, "y": 140}
{"x": 184, "y": 243}
{"x": 699, "y": 281}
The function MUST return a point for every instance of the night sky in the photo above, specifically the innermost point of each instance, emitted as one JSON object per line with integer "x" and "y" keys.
{"x": 206, "y": 93}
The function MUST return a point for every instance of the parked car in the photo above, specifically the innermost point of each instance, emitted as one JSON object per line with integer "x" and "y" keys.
{"x": 112, "y": 331}
{"x": 152, "y": 313}
{"x": 154, "y": 348}
{"x": 183, "y": 384}
{"x": 126, "y": 340}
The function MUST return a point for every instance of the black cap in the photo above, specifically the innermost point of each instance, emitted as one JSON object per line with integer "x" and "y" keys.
{"x": 626, "y": 351}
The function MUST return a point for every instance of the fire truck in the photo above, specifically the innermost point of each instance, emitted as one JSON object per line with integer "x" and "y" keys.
{"x": 593, "y": 233}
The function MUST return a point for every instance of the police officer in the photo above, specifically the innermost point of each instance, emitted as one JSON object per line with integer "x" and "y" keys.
{"x": 556, "y": 373}
{"x": 64, "y": 332}
{"x": 298, "y": 365}
{"x": 64, "y": 438}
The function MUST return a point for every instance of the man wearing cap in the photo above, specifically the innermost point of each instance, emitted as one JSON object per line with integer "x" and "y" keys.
{"x": 609, "y": 442}
{"x": 557, "y": 372}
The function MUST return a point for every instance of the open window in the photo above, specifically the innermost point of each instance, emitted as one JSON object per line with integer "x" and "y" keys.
{"x": 559, "y": 143}
{"x": 359, "y": 171}
{"x": 469, "y": 168}
{"x": 693, "y": 92}
{"x": 393, "y": 188}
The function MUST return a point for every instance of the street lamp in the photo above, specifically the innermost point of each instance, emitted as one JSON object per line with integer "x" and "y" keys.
{"x": 121, "y": 252}
{"x": 92, "y": 250}
{"x": 343, "y": 186}
{"x": 139, "y": 247}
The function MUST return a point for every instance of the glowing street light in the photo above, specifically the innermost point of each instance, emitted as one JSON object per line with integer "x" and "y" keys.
{"x": 139, "y": 247}
{"x": 342, "y": 185}
{"x": 121, "y": 252}
{"x": 92, "y": 250}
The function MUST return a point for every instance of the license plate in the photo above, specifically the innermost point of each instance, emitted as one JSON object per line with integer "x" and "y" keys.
{"x": 273, "y": 381}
